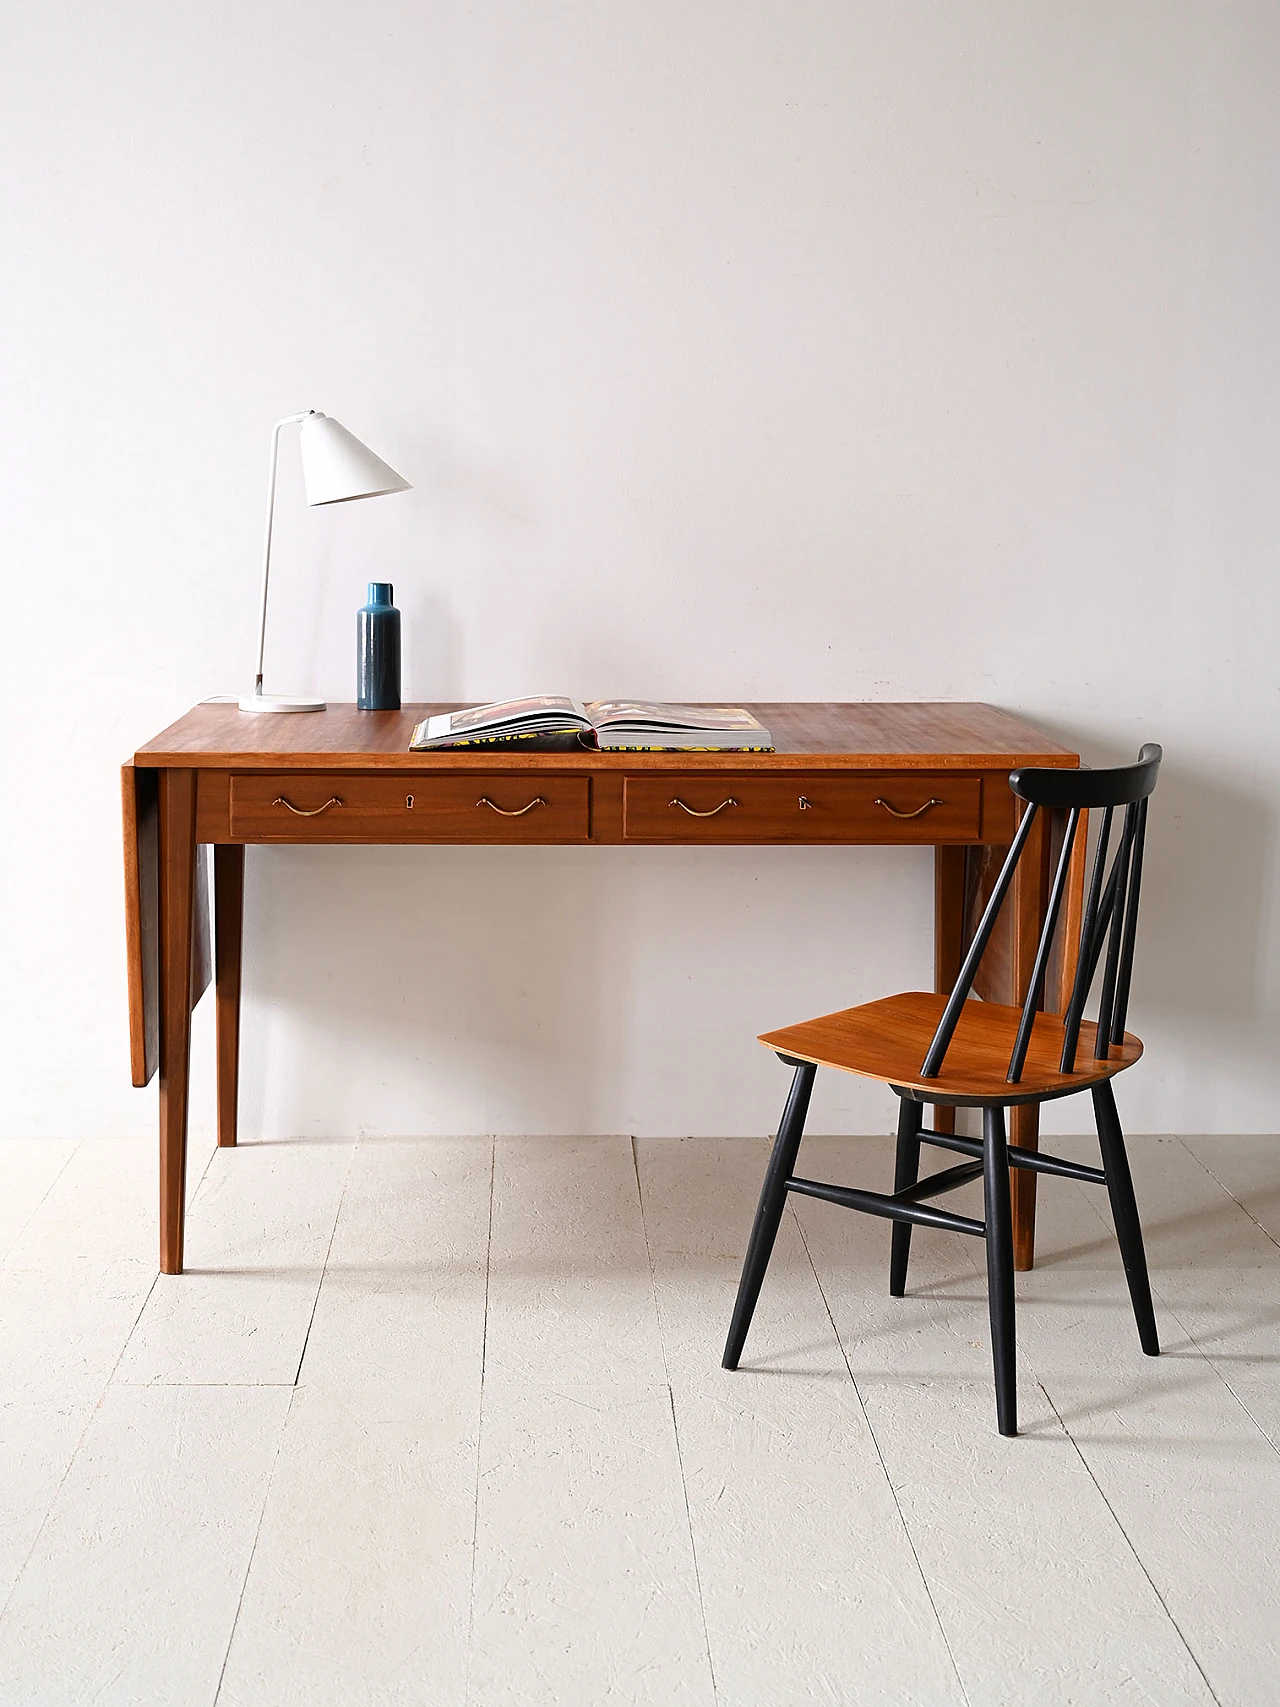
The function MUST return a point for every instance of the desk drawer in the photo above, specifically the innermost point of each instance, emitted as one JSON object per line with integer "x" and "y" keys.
{"x": 905, "y": 807}
{"x": 342, "y": 807}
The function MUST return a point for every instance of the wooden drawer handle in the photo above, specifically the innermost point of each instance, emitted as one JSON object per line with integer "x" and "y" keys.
{"x": 518, "y": 812}
{"x": 303, "y": 811}
{"x": 919, "y": 809}
{"x": 694, "y": 813}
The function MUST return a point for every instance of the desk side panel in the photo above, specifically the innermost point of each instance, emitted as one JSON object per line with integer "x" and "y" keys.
{"x": 140, "y": 802}
{"x": 201, "y": 935}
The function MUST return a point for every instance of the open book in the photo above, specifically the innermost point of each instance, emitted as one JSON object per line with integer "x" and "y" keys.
{"x": 614, "y": 725}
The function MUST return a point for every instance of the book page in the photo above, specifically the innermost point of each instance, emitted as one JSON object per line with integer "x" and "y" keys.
{"x": 604, "y": 712}
{"x": 506, "y": 711}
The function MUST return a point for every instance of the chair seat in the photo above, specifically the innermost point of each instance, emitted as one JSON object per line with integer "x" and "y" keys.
{"x": 888, "y": 1039}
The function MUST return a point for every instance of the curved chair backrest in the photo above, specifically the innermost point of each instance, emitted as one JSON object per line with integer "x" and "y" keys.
{"x": 1110, "y": 914}
{"x": 1126, "y": 785}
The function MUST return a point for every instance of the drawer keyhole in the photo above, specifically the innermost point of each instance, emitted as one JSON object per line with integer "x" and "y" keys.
{"x": 408, "y": 800}
{"x": 806, "y": 805}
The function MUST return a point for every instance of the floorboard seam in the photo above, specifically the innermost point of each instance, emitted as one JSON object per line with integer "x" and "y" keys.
{"x": 1138, "y": 1559}
{"x": 484, "y": 1353}
{"x": 1205, "y": 1356}
{"x": 35, "y": 1210}
{"x": 257, "y": 1532}
{"x": 284, "y": 1424}
{"x": 893, "y": 1492}
{"x": 75, "y": 1451}
{"x": 324, "y": 1269}
{"x": 1201, "y": 1163}
{"x": 204, "y": 1172}
{"x": 675, "y": 1426}
{"x": 1025, "y": 1360}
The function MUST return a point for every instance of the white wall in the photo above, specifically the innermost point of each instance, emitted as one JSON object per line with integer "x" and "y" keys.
{"x": 786, "y": 350}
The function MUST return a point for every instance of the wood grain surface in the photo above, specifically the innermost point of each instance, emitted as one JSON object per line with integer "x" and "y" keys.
{"x": 140, "y": 800}
{"x": 228, "y": 920}
{"x": 887, "y": 1040}
{"x": 858, "y": 736}
{"x": 893, "y": 808}
{"x": 321, "y": 806}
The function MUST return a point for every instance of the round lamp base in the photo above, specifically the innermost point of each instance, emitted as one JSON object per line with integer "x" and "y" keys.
{"x": 278, "y": 702}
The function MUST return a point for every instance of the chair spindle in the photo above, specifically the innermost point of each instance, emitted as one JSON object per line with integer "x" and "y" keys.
{"x": 1084, "y": 970}
{"x": 1035, "y": 990}
{"x": 1130, "y": 928}
{"x": 1106, "y": 1005}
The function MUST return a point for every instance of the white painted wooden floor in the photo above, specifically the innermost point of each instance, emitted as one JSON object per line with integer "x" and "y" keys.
{"x": 442, "y": 1422}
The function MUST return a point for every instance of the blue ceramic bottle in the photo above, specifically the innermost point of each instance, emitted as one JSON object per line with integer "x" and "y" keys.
{"x": 378, "y": 651}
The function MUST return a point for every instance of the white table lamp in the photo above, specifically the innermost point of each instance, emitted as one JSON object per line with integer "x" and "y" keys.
{"x": 335, "y": 467}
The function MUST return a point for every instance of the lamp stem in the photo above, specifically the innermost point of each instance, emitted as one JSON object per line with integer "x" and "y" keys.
{"x": 288, "y": 421}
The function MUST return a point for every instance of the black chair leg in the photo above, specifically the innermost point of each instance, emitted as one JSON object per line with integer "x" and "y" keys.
{"x": 906, "y": 1172}
{"x": 995, "y": 1185}
{"x": 1124, "y": 1211}
{"x": 773, "y": 1197}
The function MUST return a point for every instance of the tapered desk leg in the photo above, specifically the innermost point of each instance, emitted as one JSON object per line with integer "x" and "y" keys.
{"x": 1024, "y": 1130}
{"x": 949, "y": 927}
{"x": 177, "y": 898}
{"x": 228, "y": 913}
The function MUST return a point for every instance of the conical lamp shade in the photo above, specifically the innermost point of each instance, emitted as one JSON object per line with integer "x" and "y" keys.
{"x": 336, "y": 466}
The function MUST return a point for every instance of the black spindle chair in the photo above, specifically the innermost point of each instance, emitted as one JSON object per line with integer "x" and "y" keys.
{"x": 952, "y": 1050}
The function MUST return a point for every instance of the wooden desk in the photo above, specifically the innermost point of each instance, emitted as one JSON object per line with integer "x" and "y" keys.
{"x": 913, "y": 775}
